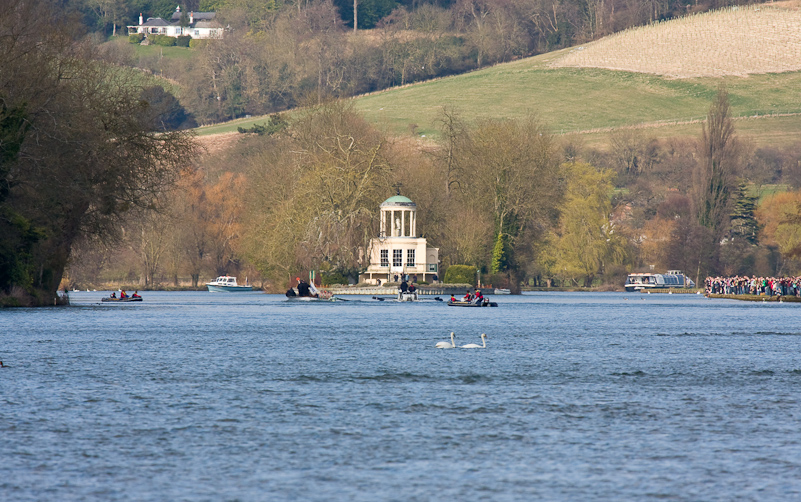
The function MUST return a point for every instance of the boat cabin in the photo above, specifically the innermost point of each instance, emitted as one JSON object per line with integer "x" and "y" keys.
{"x": 646, "y": 281}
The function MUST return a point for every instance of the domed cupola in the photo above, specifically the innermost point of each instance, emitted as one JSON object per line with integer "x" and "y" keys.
{"x": 398, "y": 217}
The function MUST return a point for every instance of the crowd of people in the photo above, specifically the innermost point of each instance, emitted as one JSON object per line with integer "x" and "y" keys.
{"x": 744, "y": 285}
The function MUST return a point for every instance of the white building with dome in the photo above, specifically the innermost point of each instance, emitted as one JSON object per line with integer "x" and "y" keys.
{"x": 398, "y": 250}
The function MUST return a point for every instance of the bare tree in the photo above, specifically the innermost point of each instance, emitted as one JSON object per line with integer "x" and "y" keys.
{"x": 716, "y": 175}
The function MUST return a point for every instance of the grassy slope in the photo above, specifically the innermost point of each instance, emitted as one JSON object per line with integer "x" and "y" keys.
{"x": 157, "y": 51}
{"x": 588, "y": 102}
{"x": 572, "y": 100}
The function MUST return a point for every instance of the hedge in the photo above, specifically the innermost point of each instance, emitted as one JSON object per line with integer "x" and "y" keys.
{"x": 163, "y": 40}
{"x": 460, "y": 274}
{"x": 136, "y": 38}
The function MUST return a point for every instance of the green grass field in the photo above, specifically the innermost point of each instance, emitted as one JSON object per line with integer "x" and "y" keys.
{"x": 585, "y": 102}
{"x": 591, "y": 102}
{"x": 165, "y": 52}
{"x": 588, "y": 102}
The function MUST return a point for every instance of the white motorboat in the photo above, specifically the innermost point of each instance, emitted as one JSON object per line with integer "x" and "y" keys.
{"x": 227, "y": 284}
{"x": 407, "y": 296}
{"x": 503, "y": 291}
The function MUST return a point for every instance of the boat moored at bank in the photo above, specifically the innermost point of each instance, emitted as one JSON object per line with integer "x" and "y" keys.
{"x": 648, "y": 281}
{"x": 227, "y": 284}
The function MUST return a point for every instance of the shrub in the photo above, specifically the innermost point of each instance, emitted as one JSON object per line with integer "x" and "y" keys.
{"x": 163, "y": 40}
{"x": 460, "y": 274}
{"x": 183, "y": 41}
{"x": 333, "y": 277}
{"x": 136, "y": 38}
{"x": 197, "y": 43}
{"x": 276, "y": 124}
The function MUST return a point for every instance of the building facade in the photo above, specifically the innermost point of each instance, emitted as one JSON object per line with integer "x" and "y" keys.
{"x": 200, "y": 25}
{"x": 398, "y": 251}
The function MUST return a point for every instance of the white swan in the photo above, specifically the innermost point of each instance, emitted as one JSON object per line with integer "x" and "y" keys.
{"x": 446, "y": 345}
{"x": 475, "y": 345}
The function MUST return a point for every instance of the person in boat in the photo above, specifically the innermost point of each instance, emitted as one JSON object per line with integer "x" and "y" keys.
{"x": 123, "y": 295}
{"x": 467, "y": 296}
{"x": 113, "y": 295}
{"x": 412, "y": 288}
{"x": 290, "y": 293}
{"x": 136, "y": 294}
{"x": 404, "y": 286}
{"x": 479, "y": 297}
{"x": 304, "y": 289}
{"x": 453, "y": 298}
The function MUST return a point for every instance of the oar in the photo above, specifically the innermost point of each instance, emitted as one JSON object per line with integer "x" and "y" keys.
{"x": 379, "y": 299}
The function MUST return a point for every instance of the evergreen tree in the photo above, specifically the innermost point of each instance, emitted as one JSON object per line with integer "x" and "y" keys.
{"x": 744, "y": 225}
{"x": 500, "y": 254}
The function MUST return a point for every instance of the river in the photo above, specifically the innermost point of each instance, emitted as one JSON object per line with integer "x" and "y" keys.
{"x": 247, "y": 396}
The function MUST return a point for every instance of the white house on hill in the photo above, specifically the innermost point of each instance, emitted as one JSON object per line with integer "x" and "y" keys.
{"x": 398, "y": 250}
{"x": 200, "y": 25}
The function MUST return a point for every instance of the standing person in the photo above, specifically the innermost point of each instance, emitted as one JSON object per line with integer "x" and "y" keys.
{"x": 303, "y": 288}
{"x": 396, "y": 277}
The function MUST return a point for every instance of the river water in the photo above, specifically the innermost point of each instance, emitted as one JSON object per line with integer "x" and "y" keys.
{"x": 247, "y": 396}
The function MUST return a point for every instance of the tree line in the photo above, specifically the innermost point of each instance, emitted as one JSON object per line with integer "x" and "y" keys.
{"x": 79, "y": 149}
{"x": 505, "y": 196}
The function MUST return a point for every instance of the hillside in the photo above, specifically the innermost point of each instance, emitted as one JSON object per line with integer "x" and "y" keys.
{"x": 605, "y": 85}
{"x": 737, "y": 41}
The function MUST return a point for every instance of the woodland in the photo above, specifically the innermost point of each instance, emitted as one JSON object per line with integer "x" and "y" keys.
{"x": 104, "y": 184}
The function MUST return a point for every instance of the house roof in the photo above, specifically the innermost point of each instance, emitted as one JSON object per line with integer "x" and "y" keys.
{"x": 206, "y": 24}
{"x": 198, "y": 16}
{"x": 156, "y": 21}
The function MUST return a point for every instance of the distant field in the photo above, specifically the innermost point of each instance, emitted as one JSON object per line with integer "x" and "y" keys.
{"x": 734, "y": 41}
{"x": 591, "y": 102}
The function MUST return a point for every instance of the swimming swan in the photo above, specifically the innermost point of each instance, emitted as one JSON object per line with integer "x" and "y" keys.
{"x": 475, "y": 345}
{"x": 446, "y": 345}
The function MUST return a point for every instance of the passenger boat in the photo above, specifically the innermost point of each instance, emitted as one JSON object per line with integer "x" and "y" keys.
{"x": 227, "y": 283}
{"x": 129, "y": 299}
{"x": 485, "y": 303}
{"x": 648, "y": 281}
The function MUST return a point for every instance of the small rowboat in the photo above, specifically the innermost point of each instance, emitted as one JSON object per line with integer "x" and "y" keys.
{"x": 129, "y": 299}
{"x": 472, "y": 304}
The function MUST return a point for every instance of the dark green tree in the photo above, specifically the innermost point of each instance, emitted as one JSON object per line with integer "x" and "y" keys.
{"x": 744, "y": 225}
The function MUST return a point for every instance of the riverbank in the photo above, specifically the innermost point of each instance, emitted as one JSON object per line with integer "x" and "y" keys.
{"x": 757, "y": 298}
{"x": 392, "y": 289}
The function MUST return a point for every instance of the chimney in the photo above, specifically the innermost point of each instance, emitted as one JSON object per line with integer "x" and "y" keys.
{"x": 141, "y": 19}
{"x": 191, "y": 17}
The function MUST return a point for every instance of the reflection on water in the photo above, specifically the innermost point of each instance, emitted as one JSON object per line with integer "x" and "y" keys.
{"x": 603, "y": 396}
